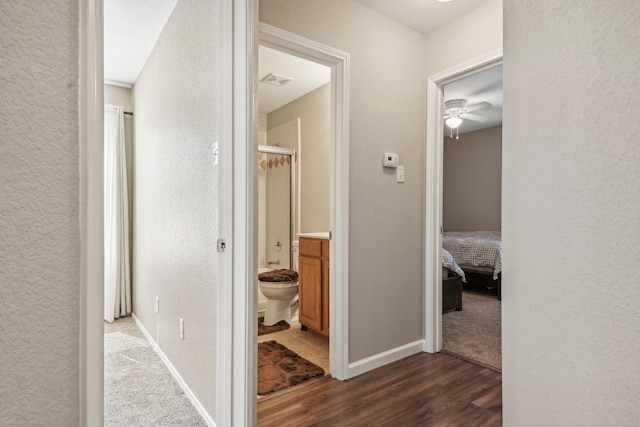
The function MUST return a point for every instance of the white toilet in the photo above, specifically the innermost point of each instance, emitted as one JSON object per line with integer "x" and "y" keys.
{"x": 280, "y": 296}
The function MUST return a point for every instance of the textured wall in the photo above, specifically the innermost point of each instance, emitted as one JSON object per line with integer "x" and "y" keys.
{"x": 571, "y": 213}
{"x": 314, "y": 111}
{"x": 39, "y": 226}
{"x": 472, "y": 181}
{"x": 176, "y": 194}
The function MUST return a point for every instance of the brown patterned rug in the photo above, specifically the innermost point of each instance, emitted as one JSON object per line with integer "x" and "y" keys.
{"x": 264, "y": 329}
{"x": 280, "y": 368}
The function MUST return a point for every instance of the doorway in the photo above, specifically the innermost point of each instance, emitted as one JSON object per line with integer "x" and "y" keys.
{"x": 434, "y": 191}
{"x": 338, "y": 63}
{"x": 471, "y": 217}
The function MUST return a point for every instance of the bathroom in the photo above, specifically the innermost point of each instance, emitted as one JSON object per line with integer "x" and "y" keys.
{"x": 293, "y": 183}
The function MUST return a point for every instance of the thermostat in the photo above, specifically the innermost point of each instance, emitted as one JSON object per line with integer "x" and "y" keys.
{"x": 390, "y": 160}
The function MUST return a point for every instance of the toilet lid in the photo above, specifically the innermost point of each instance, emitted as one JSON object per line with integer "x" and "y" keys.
{"x": 280, "y": 275}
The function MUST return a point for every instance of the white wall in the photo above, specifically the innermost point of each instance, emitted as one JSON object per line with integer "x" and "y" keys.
{"x": 388, "y": 84}
{"x": 571, "y": 214}
{"x": 39, "y": 225}
{"x": 118, "y": 95}
{"x": 176, "y": 194}
{"x": 472, "y": 178}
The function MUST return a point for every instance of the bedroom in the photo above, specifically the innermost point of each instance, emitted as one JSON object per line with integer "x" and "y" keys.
{"x": 471, "y": 216}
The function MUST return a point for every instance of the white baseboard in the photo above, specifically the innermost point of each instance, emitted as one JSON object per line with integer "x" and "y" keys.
{"x": 372, "y": 362}
{"x": 175, "y": 374}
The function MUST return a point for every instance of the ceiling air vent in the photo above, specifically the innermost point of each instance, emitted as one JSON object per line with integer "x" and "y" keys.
{"x": 275, "y": 79}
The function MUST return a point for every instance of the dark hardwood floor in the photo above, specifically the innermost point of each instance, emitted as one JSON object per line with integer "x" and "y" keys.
{"x": 421, "y": 390}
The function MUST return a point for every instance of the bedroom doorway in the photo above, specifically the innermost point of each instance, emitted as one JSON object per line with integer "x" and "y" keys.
{"x": 471, "y": 217}
{"x": 434, "y": 190}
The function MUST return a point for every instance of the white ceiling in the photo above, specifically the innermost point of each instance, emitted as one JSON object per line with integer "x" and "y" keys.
{"x": 485, "y": 86}
{"x": 422, "y": 15}
{"x": 305, "y": 76}
{"x": 133, "y": 27}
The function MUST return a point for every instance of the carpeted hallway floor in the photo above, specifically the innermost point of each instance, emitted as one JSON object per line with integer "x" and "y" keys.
{"x": 138, "y": 388}
{"x": 475, "y": 332}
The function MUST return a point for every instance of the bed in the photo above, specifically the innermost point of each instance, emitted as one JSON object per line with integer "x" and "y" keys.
{"x": 479, "y": 255}
{"x": 452, "y": 278}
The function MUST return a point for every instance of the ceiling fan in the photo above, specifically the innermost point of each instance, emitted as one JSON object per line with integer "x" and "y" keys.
{"x": 457, "y": 109}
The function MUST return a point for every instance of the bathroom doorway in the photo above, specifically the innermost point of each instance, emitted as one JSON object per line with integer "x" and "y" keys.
{"x": 293, "y": 199}
{"x": 338, "y": 125}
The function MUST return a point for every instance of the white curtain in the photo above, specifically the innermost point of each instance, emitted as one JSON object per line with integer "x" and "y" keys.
{"x": 117, "y": 283}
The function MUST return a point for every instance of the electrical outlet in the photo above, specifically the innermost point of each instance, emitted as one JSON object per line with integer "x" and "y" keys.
{"x": 181, "y": 328}
{"x": 157, "y": 305}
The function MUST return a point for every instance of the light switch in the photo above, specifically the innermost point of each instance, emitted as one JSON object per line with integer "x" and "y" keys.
{"x": 400, "y": 174}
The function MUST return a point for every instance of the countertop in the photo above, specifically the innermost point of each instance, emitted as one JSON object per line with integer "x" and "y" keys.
{"x": 318, "y": 235}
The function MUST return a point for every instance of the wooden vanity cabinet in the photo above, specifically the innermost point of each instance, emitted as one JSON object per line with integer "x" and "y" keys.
{"x": 313, "y": 284}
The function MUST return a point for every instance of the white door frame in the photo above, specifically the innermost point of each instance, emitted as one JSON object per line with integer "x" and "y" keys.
{"x": 433, "y": 196}
{"x": 236, "y": 385}
{"x": 338, "y": 61}
{"x": 90, "y": 122}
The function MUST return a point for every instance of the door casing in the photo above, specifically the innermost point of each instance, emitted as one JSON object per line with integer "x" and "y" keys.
{"x": 433, "y": 196}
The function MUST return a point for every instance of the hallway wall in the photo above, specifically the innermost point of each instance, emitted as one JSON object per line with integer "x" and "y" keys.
{"x": 39, "y": 206}
{"x": 467, "y": 37}
{"x": 387, "y": 107}
{"x": 571, "y": 214}
{"x": 176, "y": 195}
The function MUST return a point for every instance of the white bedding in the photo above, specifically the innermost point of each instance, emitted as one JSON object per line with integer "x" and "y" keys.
{"x": 475, "y": 248}
{"x": 449, "y": 263}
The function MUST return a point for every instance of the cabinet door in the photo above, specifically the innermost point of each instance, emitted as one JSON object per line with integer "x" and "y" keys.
{"x": 325, "y": 297}
{"x": 310, "y": 292}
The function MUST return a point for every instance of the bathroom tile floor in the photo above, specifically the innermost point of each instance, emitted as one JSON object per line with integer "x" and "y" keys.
{"x": 311, "y": 346}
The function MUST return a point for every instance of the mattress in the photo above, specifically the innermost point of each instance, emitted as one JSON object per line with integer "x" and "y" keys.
{"x": 475, "y": 249}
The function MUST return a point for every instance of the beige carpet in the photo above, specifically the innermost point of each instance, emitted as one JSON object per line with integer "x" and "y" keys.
{"x": 138, "y": 388}
{"x": 475, "y": 332}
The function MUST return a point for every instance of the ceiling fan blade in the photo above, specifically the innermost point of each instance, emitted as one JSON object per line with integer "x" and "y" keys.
{"x": 477, "y": 106}
{"x": 475, "y": 117}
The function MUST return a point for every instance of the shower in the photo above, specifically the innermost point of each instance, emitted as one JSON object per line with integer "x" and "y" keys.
{"x": 276, "y": 202}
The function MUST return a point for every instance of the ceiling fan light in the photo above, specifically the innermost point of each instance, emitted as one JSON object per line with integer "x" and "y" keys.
{"x": 453, "y": 122}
